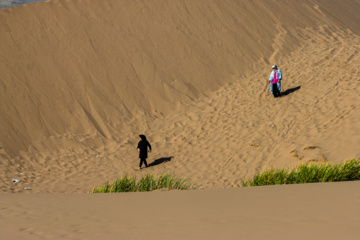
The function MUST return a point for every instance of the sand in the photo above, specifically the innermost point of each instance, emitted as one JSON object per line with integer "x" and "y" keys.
{"x": 80, "y": 80}
{"x": 314, "y": 211}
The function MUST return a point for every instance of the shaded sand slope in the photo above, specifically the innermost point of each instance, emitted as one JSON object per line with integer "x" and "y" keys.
{"x": 81, "y": 79}
{"x": 312, "y": 211}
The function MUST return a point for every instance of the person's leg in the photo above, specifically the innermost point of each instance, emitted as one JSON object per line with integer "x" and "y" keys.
{"x": 141, "y": 161}
{"x": 271, "y": 88}
{"x": 275, "y": 90}
{"x": 145, "y": 162}
{"x": 279, "y": 87}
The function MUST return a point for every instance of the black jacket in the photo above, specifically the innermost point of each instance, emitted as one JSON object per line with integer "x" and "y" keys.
{"x": 142, "y": 145}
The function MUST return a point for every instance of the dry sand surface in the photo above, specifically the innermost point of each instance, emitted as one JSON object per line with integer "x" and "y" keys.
{"x": 321, "y": 211}
{"x": 80, "y": 80}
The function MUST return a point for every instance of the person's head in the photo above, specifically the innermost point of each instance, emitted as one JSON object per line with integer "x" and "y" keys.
{"x": 142, "y": 137}
{"x": 274, "y": 67}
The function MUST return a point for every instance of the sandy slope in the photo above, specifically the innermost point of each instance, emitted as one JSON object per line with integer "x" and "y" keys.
{"x": 315, "y": 211}
{"x": 81, "y": 79}
{"x": 72, "y": 112}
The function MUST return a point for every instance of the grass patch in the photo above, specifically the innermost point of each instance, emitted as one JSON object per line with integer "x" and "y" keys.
{"x": 145, "y": 184}
{"x": 309, "y": 173}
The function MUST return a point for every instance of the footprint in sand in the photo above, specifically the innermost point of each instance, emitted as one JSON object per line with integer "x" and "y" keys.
{"x": 309, "y": 153}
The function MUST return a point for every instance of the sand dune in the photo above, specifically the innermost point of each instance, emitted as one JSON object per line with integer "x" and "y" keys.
{"x": 81, "y": 79}
{"x": 313, "y": 211}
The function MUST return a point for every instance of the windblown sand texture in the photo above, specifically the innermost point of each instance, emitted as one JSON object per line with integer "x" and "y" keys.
{"x": 318, "y": 211}
{"x": 81, "y": 79}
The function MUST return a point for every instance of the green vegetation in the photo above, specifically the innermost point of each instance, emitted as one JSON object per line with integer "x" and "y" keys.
{"x": 310, "y": 173}
{"x": 145, "y": 184}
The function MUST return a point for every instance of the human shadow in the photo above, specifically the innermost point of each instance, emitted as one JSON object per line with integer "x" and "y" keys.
{"x": 290, "y": 90}
{"x": 160, "y": 161}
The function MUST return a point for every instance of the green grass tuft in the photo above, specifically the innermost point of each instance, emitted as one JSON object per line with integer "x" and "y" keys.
{"x": 310, "y": 173}
{"x": 145, "y": 184}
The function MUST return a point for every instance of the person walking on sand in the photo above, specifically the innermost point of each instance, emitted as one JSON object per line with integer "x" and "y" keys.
{"x": 143, "y": 150}
{"x": 275, "y": 81}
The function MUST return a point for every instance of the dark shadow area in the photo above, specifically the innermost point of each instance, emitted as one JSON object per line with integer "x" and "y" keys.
{"x": 290, "y": 90}
{"x": 160, "y": 161}
{"x": 13, "y": 3}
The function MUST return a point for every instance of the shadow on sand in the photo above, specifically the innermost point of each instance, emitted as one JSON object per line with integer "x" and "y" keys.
{"x": 290, "y": 90}
{"x": 160, "y": 161}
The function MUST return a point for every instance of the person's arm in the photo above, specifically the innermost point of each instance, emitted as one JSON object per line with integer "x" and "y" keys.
{"x": 149, "y": 147}
{"x": 271, "y": 78}
{"x": 279, "y": 76}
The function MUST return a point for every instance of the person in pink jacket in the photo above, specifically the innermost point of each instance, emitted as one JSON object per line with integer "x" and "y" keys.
{"x": 275, "y": 81}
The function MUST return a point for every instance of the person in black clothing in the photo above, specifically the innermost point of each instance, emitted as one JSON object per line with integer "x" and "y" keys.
{"x": 143, "y": 150}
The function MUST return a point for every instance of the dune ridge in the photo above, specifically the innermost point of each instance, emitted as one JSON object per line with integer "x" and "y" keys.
{"x": 81, "y": 79}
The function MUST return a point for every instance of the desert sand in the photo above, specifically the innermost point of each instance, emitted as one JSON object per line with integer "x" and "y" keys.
{"x": 319, "y": 211}
{"x": 80, "y": 80}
